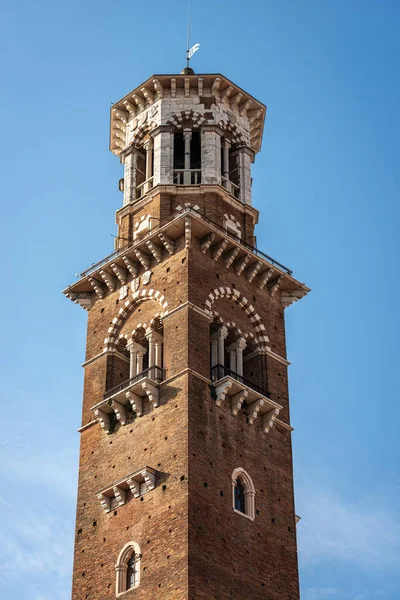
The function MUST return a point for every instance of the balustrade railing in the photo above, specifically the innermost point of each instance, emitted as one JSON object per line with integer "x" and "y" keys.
{"x": 220, "y": 371}
{"x": 187, "y": 176}
{"x": 156, "y": 374}
{"x": 144, "y": 187}
{"x": 231, "y": 187}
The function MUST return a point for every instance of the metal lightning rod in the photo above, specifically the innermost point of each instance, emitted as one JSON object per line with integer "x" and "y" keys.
{"x": 190, "y": 51}
{"x": 188, "y": 37}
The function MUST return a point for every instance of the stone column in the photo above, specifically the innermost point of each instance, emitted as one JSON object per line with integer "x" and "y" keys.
{"x": 232, "y": 358}
{"x": 214, "y": 350}
{"x": 153, "y": 337}
{"x": 210, "y": 154}
{"x": 187, "y": 137}
{"x": 149, "y": 164}
{"x": 132, "y": 360}
{"x": 158, "y": 358}
{"x": 240, "y": 346}
{"x": 225, "y": 167}
{"x": 163, "y": 152}
{"x": 139, "y": 359}
{"x": 136, "y": 359}
{"x": 130, "y": 165}
{"x": 222, "y": 335}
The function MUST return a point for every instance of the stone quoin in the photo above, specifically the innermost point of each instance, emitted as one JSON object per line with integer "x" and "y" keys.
{"x": 185, "y": 477}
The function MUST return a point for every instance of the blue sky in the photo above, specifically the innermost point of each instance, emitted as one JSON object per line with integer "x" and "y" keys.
{"x": 327, "y": 185}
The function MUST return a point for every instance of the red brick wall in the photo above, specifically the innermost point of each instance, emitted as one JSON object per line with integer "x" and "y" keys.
{"x": 194, "y": 546}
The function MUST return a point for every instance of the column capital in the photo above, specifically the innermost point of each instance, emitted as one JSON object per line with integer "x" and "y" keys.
{"x": 153, "y": 336}
{"x": 221, "y": 333}
{"x": 187, "y": 134}
{"x": 135, "y": 347}
{"x": 240, "y": 344}
{"x": 148, "y": 144}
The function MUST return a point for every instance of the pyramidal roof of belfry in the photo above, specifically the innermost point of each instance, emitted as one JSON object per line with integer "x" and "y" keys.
{"x": 205, "y": 91}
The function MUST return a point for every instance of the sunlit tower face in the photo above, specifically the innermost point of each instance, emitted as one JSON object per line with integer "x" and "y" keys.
{"x": 185, "y": 436}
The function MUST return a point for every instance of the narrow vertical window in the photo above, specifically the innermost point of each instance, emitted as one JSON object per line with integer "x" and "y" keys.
{"x": 243, "y": 493}
{"x": 131, "y": 573}
{"x": 128, "y": 568}
{"x": 239, "y": 496}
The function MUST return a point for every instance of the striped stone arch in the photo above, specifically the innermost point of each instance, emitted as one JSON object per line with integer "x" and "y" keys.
{"x": 138, "y": 135}
{"x": 249, "y": 335}
{"x": 130, "y": 335}
{"x": 124, "y": 312}
{"x": 178, "y": 119}
{"x": 261, "y": 339}
{"x": 231, "y": 129}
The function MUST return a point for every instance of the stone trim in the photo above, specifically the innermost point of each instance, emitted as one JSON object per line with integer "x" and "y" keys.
{"x": 179, "y": 118}
{"x": 121, "y": 567}
{"x": 183, "y": 372}
{"x": 184, "y": 305}
{"x": 104, "y": 353}
{"x": 232, "y": 325}
{"x": 277, "y": 357}
{"x": 249, "y": 493}
{"x": 226, "y": 292}
{"x": 139, "y": 482}
{"x": 284, "y": 425}
{"x": 126, "y": 309}
{"x": 84, "y": 427}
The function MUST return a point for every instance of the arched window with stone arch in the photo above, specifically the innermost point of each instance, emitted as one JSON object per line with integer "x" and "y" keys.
{"x": 128, "y": 568}
{"x": 243, "y": 493}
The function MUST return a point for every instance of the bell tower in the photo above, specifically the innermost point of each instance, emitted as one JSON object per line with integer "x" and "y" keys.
{"x": 185, "y": 477}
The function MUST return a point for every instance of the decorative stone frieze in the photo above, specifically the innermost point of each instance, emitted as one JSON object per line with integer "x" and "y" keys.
{"x": 137, "y": 483}
{"x": 127, "y": 263}
{"x": 127, "y": 398}
{"x": 242, "y": 396}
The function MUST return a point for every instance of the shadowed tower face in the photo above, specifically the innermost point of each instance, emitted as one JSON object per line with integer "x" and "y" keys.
{"x": 185, "y": 478}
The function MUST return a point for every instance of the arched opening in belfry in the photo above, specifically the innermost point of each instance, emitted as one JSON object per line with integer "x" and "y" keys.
{"x": 195, "y": 151}
{"x": 145, "y": 166}
{"x": 187, "y": 157}
{"x": 236, "y": 355}
{"x": 254, "y": 366}
{"x": 179, "y": 151}
{"x": 230, "y": 171}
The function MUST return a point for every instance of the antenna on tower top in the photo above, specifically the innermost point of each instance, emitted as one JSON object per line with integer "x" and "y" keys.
{"x": 189, "y": 51}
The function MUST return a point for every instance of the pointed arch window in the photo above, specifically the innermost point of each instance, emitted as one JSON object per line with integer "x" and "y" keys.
{"x": 128, "y": 568}
{"x": 243, "y": 493}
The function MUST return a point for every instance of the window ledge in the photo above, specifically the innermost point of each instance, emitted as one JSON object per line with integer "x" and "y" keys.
{"x": 120, "y": 594}
{"x": 243, "y": 514}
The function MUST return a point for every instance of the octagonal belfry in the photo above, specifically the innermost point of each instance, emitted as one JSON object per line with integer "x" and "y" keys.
{"x": 178, "y": 129}
{"x": 185, "y": 478}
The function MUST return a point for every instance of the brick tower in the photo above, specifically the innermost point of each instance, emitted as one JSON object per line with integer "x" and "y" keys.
{"x": 185, "y": 477}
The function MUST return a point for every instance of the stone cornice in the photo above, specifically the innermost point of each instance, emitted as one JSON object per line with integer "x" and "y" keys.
{"x": 87, "y": 425}
{"x": 142, "y": 104}
{"x": 195, "y": 190}
{"x": 258, "y": 268}
{"x": 284, "y": 425}
{"x": 104, "y": 353}
{"x": 280, "y": 359}
{"x": 188, "y": 304}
